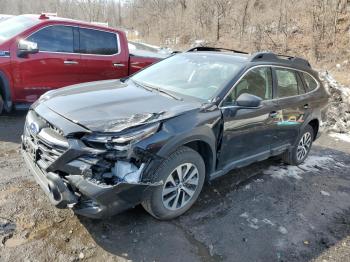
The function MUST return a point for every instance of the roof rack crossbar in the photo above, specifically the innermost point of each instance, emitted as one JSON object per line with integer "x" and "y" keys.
{"x": 217, "y": 49}
{"x": 269, "y": 56}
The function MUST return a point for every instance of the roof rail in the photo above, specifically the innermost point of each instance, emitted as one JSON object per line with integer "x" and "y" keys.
{"x": 216, "y": 49}
{"x": 271, "y": 57}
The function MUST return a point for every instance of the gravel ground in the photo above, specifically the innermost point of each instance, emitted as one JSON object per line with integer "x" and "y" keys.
{"x": 277, "y": 213}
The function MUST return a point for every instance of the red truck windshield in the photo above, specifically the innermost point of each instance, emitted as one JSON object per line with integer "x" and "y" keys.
{"x": 14, "y": 26}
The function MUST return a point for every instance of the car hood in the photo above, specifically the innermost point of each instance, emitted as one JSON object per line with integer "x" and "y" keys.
{"x": 113, "y": 106}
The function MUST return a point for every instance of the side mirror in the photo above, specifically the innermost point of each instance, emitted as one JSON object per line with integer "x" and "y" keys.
{"x": 26, "y": 47}
{"x": 248, "y": 100}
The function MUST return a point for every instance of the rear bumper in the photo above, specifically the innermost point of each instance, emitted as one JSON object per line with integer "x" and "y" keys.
{"x": 87, "y": 199}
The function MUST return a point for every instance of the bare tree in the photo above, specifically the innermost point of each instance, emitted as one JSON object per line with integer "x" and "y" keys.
{"x": 312, "y": 27}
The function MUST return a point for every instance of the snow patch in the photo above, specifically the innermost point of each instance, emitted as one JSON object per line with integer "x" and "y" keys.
{"x": 247, "y": 187}
{"x": 281, "y": 172}
{"x": 256, "y": 223}
{"x": 244, "y": 215}
{"x": 341, "y": 136}
{"x": 325, "y": 193}
{"x": 338, "y": 111}
{"x": 268, "y": 221}
{"x": 312, "y": 163}
{"x": 282, "y": 230}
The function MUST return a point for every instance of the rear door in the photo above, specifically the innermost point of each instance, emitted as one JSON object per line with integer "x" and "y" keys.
{"x": 102, "y": 55}
{"x": 56, "y": 65}
{"x": 249, "y": 132}
{"x": 293, "y": 102}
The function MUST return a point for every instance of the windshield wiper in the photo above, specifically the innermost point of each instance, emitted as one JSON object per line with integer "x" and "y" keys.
{"x": 150, "y": 88}
{"x": 169, "y": 94}
{"x": 143, "y": 86}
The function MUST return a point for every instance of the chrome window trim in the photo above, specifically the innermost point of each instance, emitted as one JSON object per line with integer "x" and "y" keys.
{"x": 78, "y": 53}
{"x": 273, "y": 99}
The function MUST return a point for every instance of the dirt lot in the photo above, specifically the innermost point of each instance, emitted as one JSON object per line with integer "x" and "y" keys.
{"x": 278, "y": 213}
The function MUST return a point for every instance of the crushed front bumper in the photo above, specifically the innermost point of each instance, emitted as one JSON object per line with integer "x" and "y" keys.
{"x": 72, "y": 174}
{"x": 90, "y": 199}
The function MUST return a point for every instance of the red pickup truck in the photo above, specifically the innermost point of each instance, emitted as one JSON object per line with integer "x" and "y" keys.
{"x": 40, "y": 52}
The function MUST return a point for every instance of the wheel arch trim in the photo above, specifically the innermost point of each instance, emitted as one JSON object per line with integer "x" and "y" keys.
{"x": 210, "y": 141}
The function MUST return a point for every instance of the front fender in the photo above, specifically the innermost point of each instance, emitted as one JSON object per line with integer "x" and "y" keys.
{"x": 180, "y": 131}
{"x": 203, "y": 134}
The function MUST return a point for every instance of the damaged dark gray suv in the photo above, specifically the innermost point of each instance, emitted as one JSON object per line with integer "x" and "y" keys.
{"x": 156, "y": 137}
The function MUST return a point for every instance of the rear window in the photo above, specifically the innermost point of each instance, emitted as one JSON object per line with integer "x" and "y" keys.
{"x": 56, "y": 38}
{"x": 310, "y": 82}
{"x": 98, "y": 42}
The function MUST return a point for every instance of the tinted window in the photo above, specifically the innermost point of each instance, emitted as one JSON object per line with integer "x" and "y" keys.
{"x": 98, "y": 42}
{"x": 54, "y": 39}
{"x": 257, "y": 82}
{"x": 310, "y": 82}
{"x": 288, "y": 83}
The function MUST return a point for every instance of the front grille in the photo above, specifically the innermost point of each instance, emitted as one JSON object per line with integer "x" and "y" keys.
{"x": 48, "y": 153}
{"x": 45, "y": 146}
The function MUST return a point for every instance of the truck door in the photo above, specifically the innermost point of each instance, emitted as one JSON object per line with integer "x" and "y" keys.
{"x": 56, "y": 65}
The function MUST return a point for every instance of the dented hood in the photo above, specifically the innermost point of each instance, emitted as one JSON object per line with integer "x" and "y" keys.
{"x": 113, "y": 106}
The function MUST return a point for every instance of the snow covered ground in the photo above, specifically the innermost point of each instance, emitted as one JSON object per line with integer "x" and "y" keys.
{"x": 341, "y": 136}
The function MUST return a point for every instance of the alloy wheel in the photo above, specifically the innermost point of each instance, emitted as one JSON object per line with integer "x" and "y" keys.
{"x": 304, "y": 146}
{"x": 180, "y": 186}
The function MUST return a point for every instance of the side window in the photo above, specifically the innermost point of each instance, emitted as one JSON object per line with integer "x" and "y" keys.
{"x": 310, "y": 82}
{"x": 54, "y": 39}
{"x": 98, "y": 42}
{"x": 288, "y": 83}
{"x": 257, "y": 81}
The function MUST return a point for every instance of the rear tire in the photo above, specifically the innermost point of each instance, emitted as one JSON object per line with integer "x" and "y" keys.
{"x": 301, "y": 149}
{"x": 183, "y": 175}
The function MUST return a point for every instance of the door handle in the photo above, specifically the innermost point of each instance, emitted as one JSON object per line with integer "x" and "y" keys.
{"x": 273, "y": 114}
{"x": 306, "y": 106}
{"x": 70, "y": 62}
{"x": 118, "y": 65}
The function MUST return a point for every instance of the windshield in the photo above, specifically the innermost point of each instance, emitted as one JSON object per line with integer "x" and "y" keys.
{"x": 14, "y": 26}
{"x": 191, "y": 74}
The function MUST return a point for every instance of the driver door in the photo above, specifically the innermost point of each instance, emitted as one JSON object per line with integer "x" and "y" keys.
{"x": 56, "y": 65}
{"x": 249, "y": 132}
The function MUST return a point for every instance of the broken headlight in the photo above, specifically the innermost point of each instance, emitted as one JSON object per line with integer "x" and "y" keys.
{"x": 123, "y": 141}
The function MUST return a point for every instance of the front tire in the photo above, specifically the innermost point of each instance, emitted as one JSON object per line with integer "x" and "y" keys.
{"x": 301, "y": 150}
{"x": 183, "y": 175}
